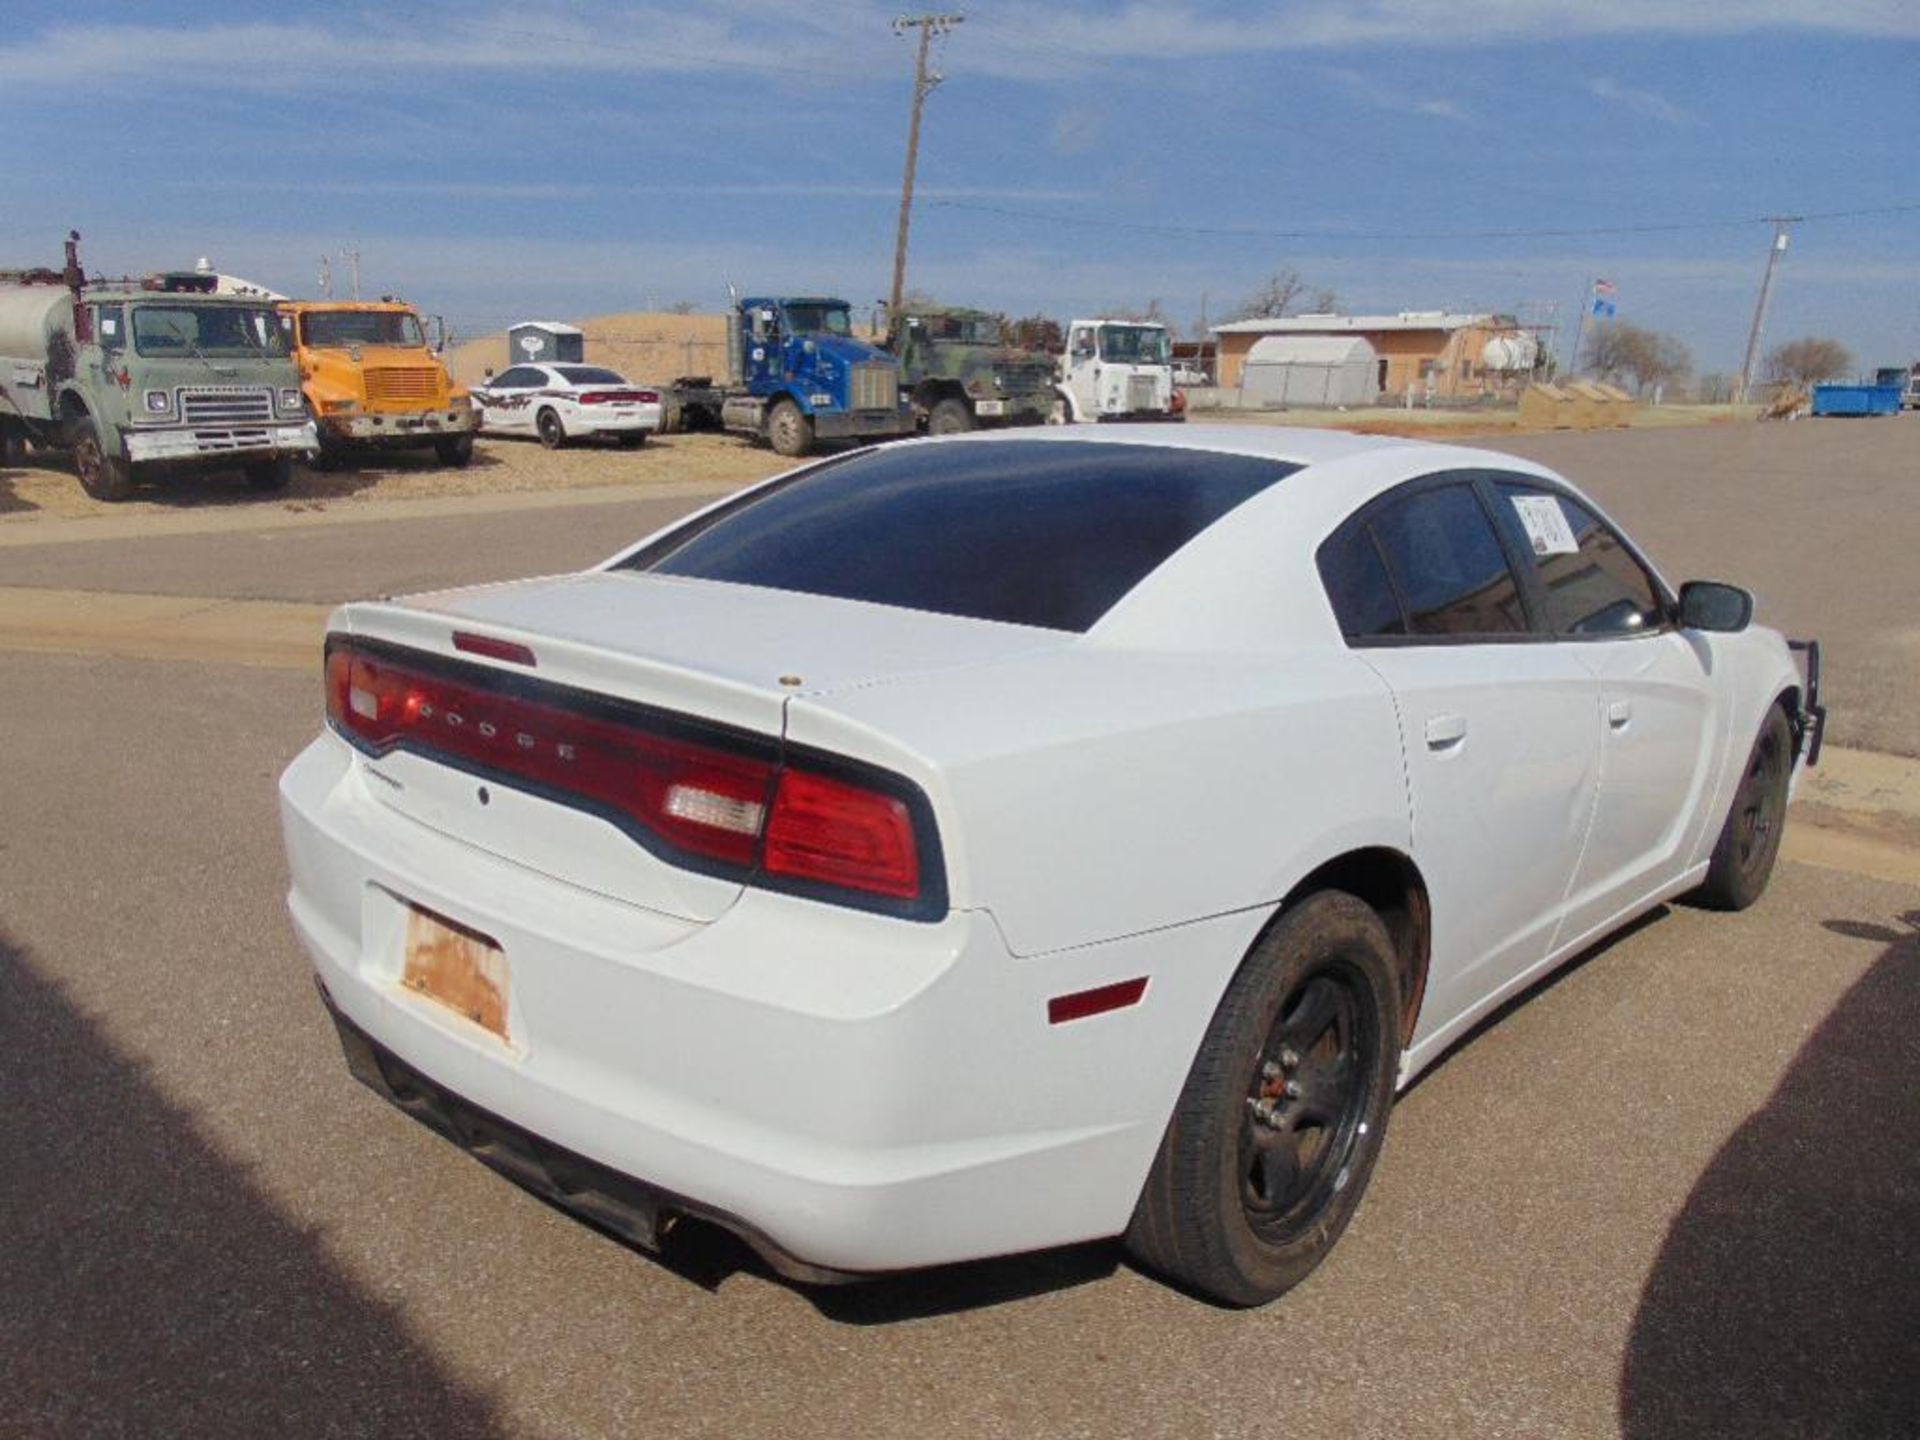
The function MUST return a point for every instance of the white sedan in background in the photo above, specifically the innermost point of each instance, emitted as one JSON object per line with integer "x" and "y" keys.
{"x": 990, "y": 843}
{"x": 558, "y": 403}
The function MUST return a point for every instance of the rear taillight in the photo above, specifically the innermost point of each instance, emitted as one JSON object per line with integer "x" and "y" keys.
{"x": 728, "y": 802}
{"x": 611, "y": 397}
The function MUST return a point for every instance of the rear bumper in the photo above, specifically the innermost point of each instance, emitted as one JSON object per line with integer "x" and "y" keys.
{"x": 637, "y": 1212}
{"x": 849, "y": 1092}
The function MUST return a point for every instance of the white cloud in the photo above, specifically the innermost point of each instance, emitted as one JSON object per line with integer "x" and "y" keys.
{"x": 1645, "y": 102}
{"x": 849, "y": 44}
{"x": 1383, "y": 96}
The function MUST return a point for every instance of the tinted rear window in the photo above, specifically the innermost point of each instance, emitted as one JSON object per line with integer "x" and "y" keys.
{"x": 1036, "y": 533}
{"x": 588, "y": 375}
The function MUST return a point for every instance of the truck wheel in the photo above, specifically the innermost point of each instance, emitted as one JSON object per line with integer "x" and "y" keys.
{"x": 103, "y": 476}
{"x": 270, "y": 474}
{"x": 788, "y": 430}
{"x": 552, "y": 433}
{"x": 454, "y": 450}
{"x": 950, "y": 417}
{"x": 1059, "y": 413}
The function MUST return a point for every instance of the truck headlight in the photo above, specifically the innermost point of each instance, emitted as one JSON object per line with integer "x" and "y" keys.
{"x": 291, "y": 402}
{"x": 158, "y": 402}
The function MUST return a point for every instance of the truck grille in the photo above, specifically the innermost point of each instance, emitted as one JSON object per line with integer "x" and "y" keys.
{"x": 1140, "y": 394}
{"x": 873, "y": 386}
{"x": 403, "y": 384}
{"x": 226, "y": 405}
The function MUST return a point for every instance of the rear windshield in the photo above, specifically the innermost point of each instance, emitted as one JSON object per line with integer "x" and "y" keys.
{"x": 1036, "y": 533}
{"x": 588, "y": 375}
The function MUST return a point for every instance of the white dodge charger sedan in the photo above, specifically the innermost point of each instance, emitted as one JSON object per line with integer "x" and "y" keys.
{"x": 559, "y": 403}
{"x": 989, "y": 843}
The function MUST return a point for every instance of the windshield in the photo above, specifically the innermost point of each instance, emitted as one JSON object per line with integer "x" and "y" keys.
{"x": 588, "y": 375}
{"x": 336, "y": 329}
{"x": 962, "y": 329}
{"x": 1134, "y": 344}
{"x": 815, "y": 317}
{"x": 228, "y": 331}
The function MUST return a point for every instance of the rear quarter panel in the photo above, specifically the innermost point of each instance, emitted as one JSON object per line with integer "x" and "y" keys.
{"x": 1086, "y": 795}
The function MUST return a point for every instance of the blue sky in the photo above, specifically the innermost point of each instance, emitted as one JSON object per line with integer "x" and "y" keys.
{"x": 574, "y": 158}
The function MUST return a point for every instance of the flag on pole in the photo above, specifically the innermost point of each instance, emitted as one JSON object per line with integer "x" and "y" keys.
{"x": 1603, "y": 287}
{"x": 1603, "y": 305}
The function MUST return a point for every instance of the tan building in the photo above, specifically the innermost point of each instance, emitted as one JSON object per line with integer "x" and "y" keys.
{"x": 1423, "y": 351}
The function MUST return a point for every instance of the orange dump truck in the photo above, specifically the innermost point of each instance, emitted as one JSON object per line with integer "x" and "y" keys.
{"x": 372, "y": 382}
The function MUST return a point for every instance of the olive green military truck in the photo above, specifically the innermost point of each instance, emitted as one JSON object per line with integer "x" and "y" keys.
{"x": 961, "y": 373}
{"x": 141, "y": 379}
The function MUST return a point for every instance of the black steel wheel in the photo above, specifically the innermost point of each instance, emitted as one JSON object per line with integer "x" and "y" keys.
{"x": 552, "y": 433}
{"x": 1276, "y": 1131}
{"x": 1749, "y": 841}
{"x": 454, "y": 451}
{"x": 103, "y": 475}
{"x": 270, "y": 474}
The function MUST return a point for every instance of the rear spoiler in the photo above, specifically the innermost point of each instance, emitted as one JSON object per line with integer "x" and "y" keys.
{"x": 1810, "y": 725}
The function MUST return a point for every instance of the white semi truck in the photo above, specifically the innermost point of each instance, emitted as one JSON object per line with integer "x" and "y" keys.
{"x": 1117, "y": 370}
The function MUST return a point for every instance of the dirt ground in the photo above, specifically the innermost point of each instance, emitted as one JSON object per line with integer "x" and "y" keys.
{"x": 46, "y": 488}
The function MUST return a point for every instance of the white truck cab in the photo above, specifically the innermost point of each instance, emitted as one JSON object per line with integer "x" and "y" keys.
{"x": 1118, "y": 370}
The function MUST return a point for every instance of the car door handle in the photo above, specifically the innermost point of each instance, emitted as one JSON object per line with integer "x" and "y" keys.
{"x": 1444, "y": 732}
{"x": 1619, "y": 712}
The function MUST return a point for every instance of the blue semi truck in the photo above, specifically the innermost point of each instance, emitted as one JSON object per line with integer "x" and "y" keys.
{"x": 796, "y": 376}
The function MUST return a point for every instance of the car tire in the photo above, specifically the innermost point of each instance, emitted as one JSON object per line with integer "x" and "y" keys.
{"x": 103, "y": 475}
{"x": 1276, "y": 1131}
{"x": 552, "y": 433}
{"x": 1749, "y": 841}
{"x": 631, "y": 440}
{"x": 950, "y": 417}
{"x": 455, "y": 451}
{"x": 270, "y": 474}
{"x": 789, "y": 430}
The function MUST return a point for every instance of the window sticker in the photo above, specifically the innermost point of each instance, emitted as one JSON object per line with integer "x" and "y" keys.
{"x": 1546, "y": 524}
{"x": 109, "y": 325}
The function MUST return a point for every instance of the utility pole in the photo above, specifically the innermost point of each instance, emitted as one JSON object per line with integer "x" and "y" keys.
{"x": 326, "y": 278}
{"x": 353, "y": 260}
{"x": 923, "y": 86}
{"x": 1774, "y": 252}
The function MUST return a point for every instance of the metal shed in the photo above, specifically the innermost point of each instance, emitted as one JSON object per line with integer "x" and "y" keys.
{"x": 1311, "y": 370}
{"x": 545, "y": 342}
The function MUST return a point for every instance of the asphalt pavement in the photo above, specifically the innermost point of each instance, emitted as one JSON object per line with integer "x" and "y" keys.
{"x": 1673, "y": 1193}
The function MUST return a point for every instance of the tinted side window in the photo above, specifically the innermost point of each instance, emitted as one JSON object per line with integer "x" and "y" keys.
{"x": 520, "y": 377}
{"x": 1357, "y": 584}
{"x": 1593, "y": 583}
{"x": 1448, "y": 565}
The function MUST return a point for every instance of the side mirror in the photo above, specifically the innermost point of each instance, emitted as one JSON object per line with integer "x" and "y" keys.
{"x": 1711, "y": 605}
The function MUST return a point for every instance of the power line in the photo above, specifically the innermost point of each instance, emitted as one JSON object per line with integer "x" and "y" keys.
{"x": 1256, "y": 233}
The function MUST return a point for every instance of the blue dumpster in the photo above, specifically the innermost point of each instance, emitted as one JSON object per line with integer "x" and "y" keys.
{"x": 1856, "y": 399}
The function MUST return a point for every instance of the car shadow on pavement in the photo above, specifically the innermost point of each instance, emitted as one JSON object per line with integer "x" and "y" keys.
{"x": 148, "y": 1286}
{"x": 1786, "y": 1298}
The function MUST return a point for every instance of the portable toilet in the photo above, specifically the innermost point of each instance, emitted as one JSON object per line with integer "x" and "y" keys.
{"x": 545, "y": 342}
